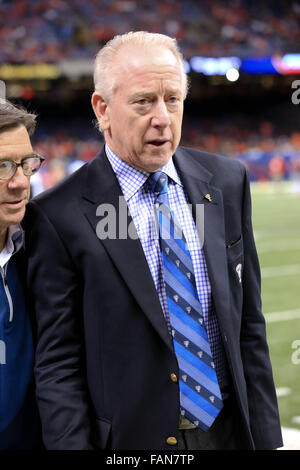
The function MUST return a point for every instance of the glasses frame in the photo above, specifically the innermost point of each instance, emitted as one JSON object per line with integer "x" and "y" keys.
{"x": 16, "y": 165}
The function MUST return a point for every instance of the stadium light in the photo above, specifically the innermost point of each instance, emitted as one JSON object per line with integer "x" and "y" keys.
{"x": 232, "y": 75}
{"x": 187, "y": 66}
{"x": 214, "y": 65}
{"x": 288, "y": 64}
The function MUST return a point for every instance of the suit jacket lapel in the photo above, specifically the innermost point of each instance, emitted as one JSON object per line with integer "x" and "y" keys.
{"x": 127, "y": 254}
{"x": 196, "y": 180}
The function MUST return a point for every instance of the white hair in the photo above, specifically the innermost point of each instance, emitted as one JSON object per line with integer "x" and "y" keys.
{"x": 104, "y": 79}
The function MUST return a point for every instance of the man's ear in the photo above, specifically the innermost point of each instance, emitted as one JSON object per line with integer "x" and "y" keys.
{"x": 100, "y": 108}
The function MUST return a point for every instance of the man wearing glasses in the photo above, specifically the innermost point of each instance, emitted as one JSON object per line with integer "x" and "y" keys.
{"x": 18, "y": 414}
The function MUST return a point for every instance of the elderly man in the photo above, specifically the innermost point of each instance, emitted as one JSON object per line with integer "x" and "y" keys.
{"x": 18, "y": 413}
{"x": 150, "y": 335}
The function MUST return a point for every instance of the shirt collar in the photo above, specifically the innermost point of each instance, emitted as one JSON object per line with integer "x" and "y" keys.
{"x": 170, "y": 170}
{"x": 14, "y": 242}
{"x": 131, "y": 179}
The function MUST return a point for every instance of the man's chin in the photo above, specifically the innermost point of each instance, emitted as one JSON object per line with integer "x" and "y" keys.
{"x": 153, "y": 161}
{"x": 15, "y": 218}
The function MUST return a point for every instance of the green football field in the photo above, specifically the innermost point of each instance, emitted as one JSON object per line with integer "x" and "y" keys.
{"x": 276, "y": 223}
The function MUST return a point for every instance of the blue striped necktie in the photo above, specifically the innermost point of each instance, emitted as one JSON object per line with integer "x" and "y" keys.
{"x": 200, "y": 396}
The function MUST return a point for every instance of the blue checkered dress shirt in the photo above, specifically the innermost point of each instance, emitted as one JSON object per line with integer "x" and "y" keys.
{"x": 140, "y": 200}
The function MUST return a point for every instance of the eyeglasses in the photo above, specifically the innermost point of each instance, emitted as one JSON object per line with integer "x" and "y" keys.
{"x": 30, "y": 165}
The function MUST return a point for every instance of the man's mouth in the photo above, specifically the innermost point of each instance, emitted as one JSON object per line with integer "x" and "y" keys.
{"x": 158, "y": 142}
{"x": 15, "y": 204}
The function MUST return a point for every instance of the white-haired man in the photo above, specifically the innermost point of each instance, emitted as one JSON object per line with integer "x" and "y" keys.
{"x": 19, "y": 424}
{"x": 149, "y": 342}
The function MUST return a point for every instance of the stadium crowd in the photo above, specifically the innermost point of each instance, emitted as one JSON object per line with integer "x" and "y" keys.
{"x": 269, "y": 153}
{"x": 33, "y": 31}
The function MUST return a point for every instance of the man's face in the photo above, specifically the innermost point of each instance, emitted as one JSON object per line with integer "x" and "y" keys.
{"x": 142, "y": 123}
{"x": 14, "y": 193}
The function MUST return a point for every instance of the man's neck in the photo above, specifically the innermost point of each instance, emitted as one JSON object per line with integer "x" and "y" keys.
{"x": 3, "y": 235}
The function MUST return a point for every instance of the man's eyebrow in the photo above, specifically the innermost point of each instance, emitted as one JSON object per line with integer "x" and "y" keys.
{"x": 141, "y": 93}
{"x": 145, "y": 93}
{"x": 31, "y": 154}
{"x": 12, "y": 156}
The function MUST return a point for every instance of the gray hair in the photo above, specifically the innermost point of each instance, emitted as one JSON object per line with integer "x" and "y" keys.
{"x": 103, "y": 80}
{"x": 14, "y": 116}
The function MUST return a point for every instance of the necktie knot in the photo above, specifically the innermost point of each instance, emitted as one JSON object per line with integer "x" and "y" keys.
{"x": 158, "y": 182}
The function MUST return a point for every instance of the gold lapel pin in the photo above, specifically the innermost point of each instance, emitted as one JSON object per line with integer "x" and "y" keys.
{"x": 208, "y": 197}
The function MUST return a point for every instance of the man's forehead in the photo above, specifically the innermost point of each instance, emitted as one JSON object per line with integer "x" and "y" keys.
{"x": 14, "y": 134}
{"x": 143, "y": 69}
{"x": 132, "y": 59}
{"x": 15, "y": 141}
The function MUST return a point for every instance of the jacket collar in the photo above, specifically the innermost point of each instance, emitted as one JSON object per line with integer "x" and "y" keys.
{"x": 102, "y": 187}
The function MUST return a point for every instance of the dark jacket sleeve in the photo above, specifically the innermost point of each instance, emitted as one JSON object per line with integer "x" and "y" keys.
{"x": 263, "y": 408}
{"x": 59, "y": 370}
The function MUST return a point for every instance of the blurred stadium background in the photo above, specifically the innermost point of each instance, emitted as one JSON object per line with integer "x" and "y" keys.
{"x": 243, "y": 59}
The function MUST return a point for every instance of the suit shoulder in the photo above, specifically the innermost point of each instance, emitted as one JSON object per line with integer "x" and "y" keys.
{"x": 64, "y": 188}
{"x": 214, "y": 162}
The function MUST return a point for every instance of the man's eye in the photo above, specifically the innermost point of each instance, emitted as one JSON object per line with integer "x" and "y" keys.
{"x": 142, "y": 101}
{"x": 173, "y": 99}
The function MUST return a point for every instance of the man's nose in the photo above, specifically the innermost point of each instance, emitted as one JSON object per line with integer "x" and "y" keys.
{"x": 19, "y": 180}
{"x": 161, "y": 116}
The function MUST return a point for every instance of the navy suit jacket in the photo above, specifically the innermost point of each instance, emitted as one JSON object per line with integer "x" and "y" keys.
{"x": 104, "y": 354}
